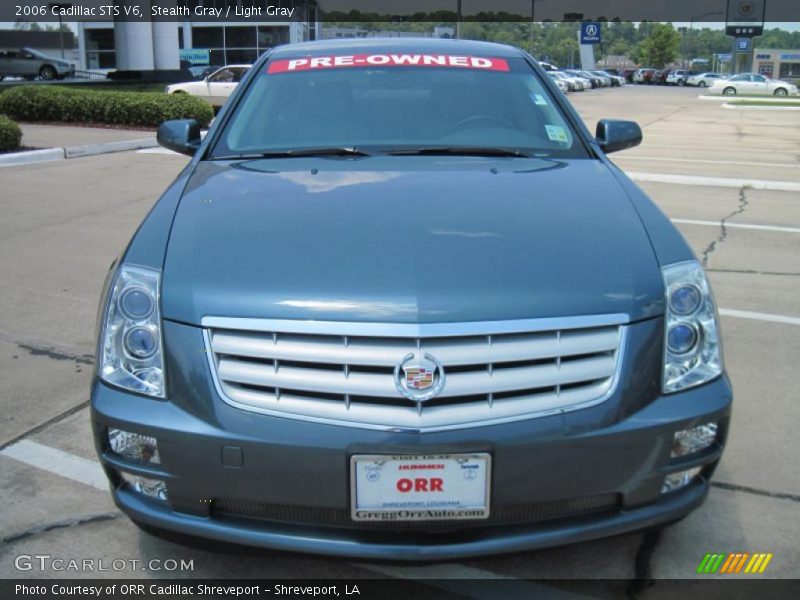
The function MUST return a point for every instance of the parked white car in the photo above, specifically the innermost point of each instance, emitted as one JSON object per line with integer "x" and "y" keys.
{"x": 562, "y": 85}
{"x": 214, "y": 89}
{"x": 703, "y": 79}
{"x": 677, "y": 77}
{"x": 575, "y": 84}
{"x": 752, "y": 83}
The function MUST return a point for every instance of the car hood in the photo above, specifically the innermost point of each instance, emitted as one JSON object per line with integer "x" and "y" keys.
{"x": 407, "y": 239}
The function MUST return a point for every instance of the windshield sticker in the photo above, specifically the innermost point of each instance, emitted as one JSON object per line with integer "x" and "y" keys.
{"x": 312, "y": 63}
{"x": 539, "y": 99}
{"x": 556, "y": 133}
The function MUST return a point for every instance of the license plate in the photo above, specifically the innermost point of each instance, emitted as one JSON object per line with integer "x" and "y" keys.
{"x": 439, "y": 487}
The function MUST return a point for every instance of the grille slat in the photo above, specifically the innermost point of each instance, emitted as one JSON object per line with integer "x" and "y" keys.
{"x": 382, "y": 384}
{"x": 385, "y": 352}
{"x": 492, "y": 377}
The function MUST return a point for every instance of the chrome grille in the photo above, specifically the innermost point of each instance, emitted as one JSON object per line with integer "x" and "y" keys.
{"x": 343, "y": 372}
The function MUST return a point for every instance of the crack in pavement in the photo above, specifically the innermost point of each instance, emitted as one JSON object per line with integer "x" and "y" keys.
{"x": 55, "y": 350}
{"x": 44, "y": 425}
{"x": 643, "y": 572}
{"x": 743, "y": 204}
{"x": 732, "y": 487}
{"x": 63, "y": 524}
{"x": 54, "y": 353}
{"x": 666, "y": 116}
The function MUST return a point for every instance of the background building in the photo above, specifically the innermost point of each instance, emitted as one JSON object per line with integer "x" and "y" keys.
{"x": 129, "y": 45}
{"x": 778, "y": 64}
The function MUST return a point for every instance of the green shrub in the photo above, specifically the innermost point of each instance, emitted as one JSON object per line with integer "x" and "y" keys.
{"x": 10, "y": 134}
{"x": 54, "y": 103}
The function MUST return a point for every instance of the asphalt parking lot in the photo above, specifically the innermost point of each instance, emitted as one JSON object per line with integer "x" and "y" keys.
{"x": 730, "y": 179}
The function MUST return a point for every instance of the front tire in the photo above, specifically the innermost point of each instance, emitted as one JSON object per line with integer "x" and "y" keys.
{"x": 729, "y": 91}
{"x": 703, "y": 84}
{"x": 782, "y": 92}
{"x": 47, "y": 73}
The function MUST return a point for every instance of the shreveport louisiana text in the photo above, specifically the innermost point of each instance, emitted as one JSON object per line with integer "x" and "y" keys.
{"x": 175, "y": 589}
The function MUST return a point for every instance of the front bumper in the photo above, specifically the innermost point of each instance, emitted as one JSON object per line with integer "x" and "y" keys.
{"x": 556, "y": 479}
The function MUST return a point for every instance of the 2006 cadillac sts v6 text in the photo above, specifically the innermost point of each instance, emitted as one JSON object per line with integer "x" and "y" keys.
{"x": 400, "y": 305}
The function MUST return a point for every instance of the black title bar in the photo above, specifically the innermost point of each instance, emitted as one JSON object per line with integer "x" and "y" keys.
{"x": 434, "y": 11}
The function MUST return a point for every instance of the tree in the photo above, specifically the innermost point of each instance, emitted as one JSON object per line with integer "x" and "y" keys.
{"x": 660, "y": 47}
{"x": 27, "y": 26}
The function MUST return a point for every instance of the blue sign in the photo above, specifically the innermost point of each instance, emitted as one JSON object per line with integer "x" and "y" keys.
{"x": 196, "y": 57}
{"x": 590, "y": 33}
{"x": 743, "y": 44}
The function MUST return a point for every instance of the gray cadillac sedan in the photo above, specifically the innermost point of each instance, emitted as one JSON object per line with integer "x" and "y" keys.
{"x": 401, "y": 305}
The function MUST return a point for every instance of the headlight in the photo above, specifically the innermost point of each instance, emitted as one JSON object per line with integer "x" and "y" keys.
{"x": 130, "y": 342}
{"x": 692, "y": 348}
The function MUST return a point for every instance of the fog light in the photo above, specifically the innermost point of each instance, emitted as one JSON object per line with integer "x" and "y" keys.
{"x": 152, "y": 488}
{"x": 689, "y": 441}
{"x": 675, "y": 481}
{"x": 134, "y": 446}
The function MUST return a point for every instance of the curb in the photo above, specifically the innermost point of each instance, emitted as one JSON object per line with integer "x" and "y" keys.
{"x": 760, "y": 98}
{"x": 51, "y": 154}
{"x": 33, "y": 156}
{"x": 758, "y": 107}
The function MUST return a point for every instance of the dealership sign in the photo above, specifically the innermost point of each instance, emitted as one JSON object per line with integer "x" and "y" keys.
{"x": 745, "y": 18}
{"x": 590, "y": 33}
{"x": 196, "y": 57}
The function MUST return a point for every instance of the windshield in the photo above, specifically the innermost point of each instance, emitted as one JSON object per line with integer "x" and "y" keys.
{"x": 397, "y": 102}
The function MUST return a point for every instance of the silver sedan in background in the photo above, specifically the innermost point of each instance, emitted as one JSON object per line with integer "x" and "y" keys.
{"x": 30, "y": 64}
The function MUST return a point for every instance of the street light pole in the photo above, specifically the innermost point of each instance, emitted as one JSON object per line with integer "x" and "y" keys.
{"x": 698, "y": 17}
{"x": 533, "y": 20}
{"x": 60, "y": 6}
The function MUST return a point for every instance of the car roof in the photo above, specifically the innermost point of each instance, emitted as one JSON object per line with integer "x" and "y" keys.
{"x": 396, "y": 45}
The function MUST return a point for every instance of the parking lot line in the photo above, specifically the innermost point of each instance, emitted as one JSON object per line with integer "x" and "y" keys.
{"x": 727, "y": 182}
{"x": 759, "y": 316}
{"x": 58, "y": 462}
{"x": 710, "y": 162}
{"x": 730, "y": 225}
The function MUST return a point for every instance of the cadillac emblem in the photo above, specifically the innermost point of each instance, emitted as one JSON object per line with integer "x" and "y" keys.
{"x": 419, "y": 380}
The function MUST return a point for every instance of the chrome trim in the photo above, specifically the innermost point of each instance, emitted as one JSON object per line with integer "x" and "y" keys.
{"x": 436, "y": 418}
{"x": 412, "y": 330}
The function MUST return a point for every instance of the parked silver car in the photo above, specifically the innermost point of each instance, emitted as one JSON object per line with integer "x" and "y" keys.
{"x": 30, "y": 64}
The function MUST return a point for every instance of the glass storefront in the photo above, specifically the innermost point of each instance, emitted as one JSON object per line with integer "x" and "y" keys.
{"x": 100, "y": 53}
{"x": 229, "y": 44}
{"x": 237, "y": 44}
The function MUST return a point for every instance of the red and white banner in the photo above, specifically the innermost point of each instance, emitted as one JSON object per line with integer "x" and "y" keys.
{"x": 312, "y": 63}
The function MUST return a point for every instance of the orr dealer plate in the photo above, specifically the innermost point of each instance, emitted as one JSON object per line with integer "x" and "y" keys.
{"x": 433, "y": 487}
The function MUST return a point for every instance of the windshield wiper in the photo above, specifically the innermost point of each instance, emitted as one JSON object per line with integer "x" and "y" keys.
{"x": 457, "y": 151}
{"x": 299, "y": 153}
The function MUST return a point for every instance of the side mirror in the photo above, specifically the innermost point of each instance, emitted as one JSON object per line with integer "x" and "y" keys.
{"x": 613, "y": 135}
{"x": 180, "y": 135}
